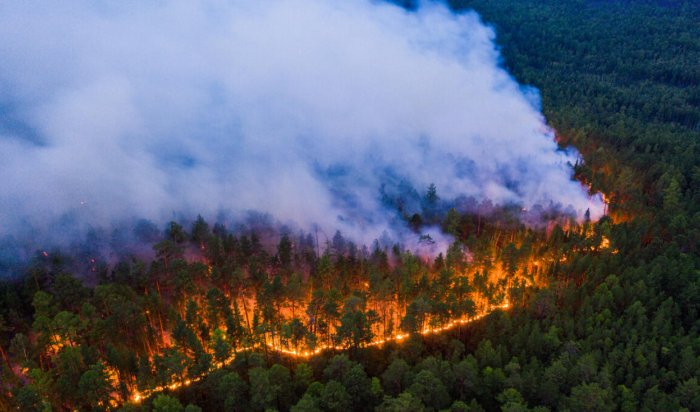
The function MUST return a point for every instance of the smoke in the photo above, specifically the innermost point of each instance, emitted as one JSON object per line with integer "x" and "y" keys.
{"x": 328, "y": 113}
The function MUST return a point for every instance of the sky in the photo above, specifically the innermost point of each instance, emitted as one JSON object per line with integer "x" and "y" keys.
{"x": 312, "y": 111}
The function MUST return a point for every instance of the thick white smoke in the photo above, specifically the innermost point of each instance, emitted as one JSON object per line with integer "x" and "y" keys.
{"x": 306, "y": 109}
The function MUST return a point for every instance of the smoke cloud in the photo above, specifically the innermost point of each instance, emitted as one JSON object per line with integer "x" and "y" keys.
{"x": 317, "y": 112}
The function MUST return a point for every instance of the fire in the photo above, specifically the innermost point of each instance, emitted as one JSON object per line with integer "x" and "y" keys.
{"x": 139, "y": 396}
{"x": 488, "y": 283}
{"x": 396, "y": 338}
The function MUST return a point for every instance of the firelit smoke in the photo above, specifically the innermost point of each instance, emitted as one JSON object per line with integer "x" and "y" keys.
{"x": 326, "y": 113}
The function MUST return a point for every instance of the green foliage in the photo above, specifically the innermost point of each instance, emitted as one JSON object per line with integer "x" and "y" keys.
{"x": 397, "y": 377}
{"x": 405, "y": 402}
{"x": 94, "y": 386}
{"x": 165, "y": 403}
{"x": 430, "y": 390}
{"x": 262, "y": 395}
{"x": 233, "y": 391}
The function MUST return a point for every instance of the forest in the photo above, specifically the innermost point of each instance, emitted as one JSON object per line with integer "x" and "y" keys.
{"x": 589, "y": 316}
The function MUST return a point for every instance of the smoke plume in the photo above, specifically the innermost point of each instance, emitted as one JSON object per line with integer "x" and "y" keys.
{"x": 331, "y": 114}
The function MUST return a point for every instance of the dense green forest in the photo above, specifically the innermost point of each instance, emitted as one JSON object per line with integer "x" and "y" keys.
{"x": 593, "y": 317}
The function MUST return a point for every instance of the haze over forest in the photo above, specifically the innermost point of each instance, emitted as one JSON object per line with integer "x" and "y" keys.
{"x": 333, "y": 114}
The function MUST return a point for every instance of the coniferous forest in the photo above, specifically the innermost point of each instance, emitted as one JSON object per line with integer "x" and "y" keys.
{"x": 564, "y": 315}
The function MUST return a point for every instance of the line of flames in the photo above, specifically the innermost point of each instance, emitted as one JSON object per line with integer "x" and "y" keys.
{"x": 138, "y": 396}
